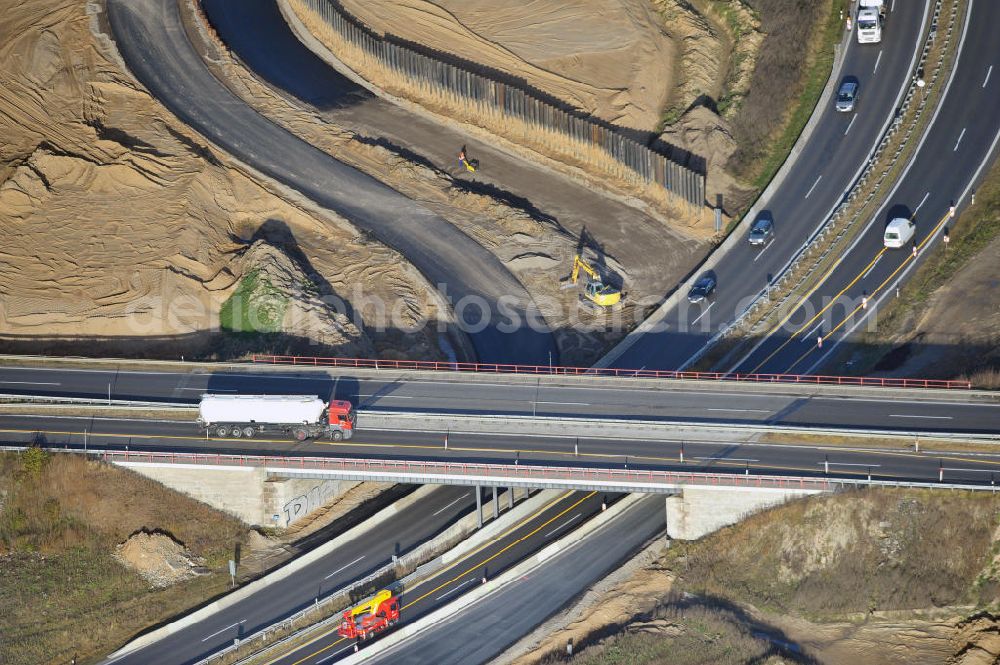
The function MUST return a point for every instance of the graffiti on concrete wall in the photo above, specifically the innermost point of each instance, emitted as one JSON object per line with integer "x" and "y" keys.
{"x": 304, "y": 504}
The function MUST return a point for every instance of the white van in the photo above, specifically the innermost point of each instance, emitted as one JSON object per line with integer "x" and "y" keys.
{"x": 899, "y": 232}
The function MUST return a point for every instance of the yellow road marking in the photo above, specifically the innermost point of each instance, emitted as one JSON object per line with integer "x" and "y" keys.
{"x": 496, "y": 539}
{"x": 512, "y": 544}
{"x": 902, "y": 265}
{"x": 805, "y": 298}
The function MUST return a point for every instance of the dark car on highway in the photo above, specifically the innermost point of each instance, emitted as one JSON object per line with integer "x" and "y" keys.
{"x": 702, "y": 289}
{"x": 760, "y": 232}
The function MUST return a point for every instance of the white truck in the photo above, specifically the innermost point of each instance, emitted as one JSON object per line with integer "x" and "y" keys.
{"x": 304, "y": 417}
{"x": 871, "y": 16}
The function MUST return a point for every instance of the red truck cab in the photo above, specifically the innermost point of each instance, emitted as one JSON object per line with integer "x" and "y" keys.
{"x": 342, "y": 417}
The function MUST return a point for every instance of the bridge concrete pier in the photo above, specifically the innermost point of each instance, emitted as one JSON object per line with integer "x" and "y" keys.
{"x": 248, "y": 493}
{"x": 694, "y": 512}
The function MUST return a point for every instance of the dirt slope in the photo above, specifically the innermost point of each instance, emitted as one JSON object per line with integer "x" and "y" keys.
{"x": 119, "y": 224}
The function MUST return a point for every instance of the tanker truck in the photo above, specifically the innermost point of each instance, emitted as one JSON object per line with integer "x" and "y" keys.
{"x": 303, "y": 417}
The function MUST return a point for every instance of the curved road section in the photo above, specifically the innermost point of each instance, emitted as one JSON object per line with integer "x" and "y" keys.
{"x": 494, "y": 308}
{"x": 830, "y": 163}
{"x": 959, "y": 145}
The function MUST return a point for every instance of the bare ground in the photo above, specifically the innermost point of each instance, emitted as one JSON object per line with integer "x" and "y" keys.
{"x": 121, "y": 225}
{"x": 87, "y": 542}
{"x": 887, "y": 577}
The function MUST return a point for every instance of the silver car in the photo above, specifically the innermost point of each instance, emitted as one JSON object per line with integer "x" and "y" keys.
{"x": 760, "y": 232}
{"x": 847, "y": 96}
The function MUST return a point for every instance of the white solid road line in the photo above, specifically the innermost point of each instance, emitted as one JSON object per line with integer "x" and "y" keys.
{"x": 873, "y": 266}
{"x": 213, "y": 390}
{"x": 877, "y": 60}
{"x": 702, "y": 314}
{"x": 563, "y": 403}
{"x": 848, "y": 464}
{"x": 448, "y": 593}
{"x": 987, "y": 79}
{"x": 564, "y": 524}
{"x": 376, "y": 395}
{"x": 761, "y": 252}
{"x": 31, "y": 383}
{"x": 922, "y": 202}
{"x": 813, "y": 187}
{"x": 464, "y": 496}
{"x": 335, "y": 654}
{"x": 914, "y": 415}
{"x": 344, "y": 567}
{"x": 219, "y": 632}
{"x": 740, "y": 410}
{"x": 723, "y": 458}
{"x": 850, "y": 124}
{"x": 808, "y": 337}
{"x": 955, "y": 149}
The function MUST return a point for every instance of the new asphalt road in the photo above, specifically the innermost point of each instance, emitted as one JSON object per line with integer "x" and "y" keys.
{"x": 531, "y": 534}
{"x": 961, "y": 141}
{"x": 501, "y": 319}
{"x": 828, "y": 165}
{"x": 956, "y": 411}
{"x": 399, "y": 534}
{"x": 480, "y": 631}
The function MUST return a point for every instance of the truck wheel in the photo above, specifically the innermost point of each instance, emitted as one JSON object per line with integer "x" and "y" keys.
{"x": 300, "y": 434}
{"x": 248, "y": 432}
{"x": 237, "y": 433}
{"x": 221, "y": 432}
{"x": 336, "y": 435}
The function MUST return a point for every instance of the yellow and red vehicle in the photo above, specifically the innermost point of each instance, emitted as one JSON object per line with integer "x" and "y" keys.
{"x": 364, "y": 621}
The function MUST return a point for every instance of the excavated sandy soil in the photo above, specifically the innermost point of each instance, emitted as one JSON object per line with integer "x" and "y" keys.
{"x": 123, "y": 230}
{"x": 610, "y": 58}
{"x": 633, "y": 63}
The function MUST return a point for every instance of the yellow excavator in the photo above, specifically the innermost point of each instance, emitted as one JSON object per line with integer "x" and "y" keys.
{"x": 595, "y": 290}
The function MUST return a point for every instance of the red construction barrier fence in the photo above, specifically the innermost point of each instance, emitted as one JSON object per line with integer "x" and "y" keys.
{"x": 497, "y": 368}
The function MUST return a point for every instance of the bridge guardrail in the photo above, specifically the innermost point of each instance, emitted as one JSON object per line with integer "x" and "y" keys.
{"x": 500, "y": 473}
{"x": 557, "y": 370}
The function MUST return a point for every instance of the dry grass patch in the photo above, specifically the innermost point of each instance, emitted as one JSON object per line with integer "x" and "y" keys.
{"x": 792, "y": 68}
{"x": 61, "y": 517}
{"x": 694, "y": 636}
{"x": 859, "y": 551}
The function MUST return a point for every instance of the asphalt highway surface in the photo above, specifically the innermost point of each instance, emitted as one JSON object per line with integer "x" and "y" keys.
{"x": 556, "y": 519}
{"x": 153, "y": 42}
{"x": 397, "y": 535}
{"x": 961, "y": 141}
{"x": 501, "y": 318}
{"x": 499, "y": 395}
{"x": 481, "y": 631}
{"x": 829, "y": 163}
{"x": 792, "y": 456}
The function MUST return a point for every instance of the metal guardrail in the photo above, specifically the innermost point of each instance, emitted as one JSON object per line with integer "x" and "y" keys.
{"x": 519, "y": 474}
{"x": 556, "y": 370}
{"x": 491, "y": 94}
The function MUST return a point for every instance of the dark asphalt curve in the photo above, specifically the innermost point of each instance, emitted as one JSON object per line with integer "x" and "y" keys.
{"x": 485, "y": 628}
{"x": 498, "y": 314}
{"x": 825, "y": 170}
{"x": 555, "y": 520}
{"x": 397, "y": 535}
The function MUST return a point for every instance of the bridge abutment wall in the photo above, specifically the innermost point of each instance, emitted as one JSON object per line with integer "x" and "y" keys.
{"x": 696, "y": 511}
{"x": 247, "y": 493}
